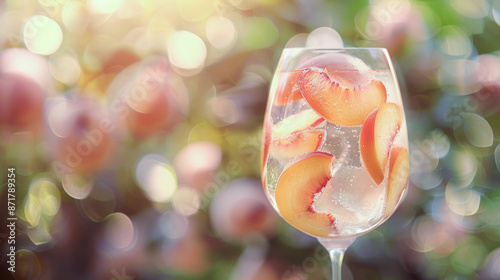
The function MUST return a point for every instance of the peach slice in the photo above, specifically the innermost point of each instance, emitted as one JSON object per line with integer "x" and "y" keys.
{"x": 297, "y": 144}
{"x": 264, "y": 149}
{"x": 377, "y": 136}
{"x": 288, "y": 88}
{"x": 341, "y": 97}
{"x": 399, "y": 173}
{"x": 297, "y": 186}
{"x": 295, "y": 135}
{"x": 266, "y": 140}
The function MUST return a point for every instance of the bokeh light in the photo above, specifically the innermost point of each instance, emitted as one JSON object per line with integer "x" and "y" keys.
{"x": 420, "y": 234}
{"x": 65, "y": 68}
{"x": 100, "y": 203}
{"x": 324, "y": 37}
{"x": 195, "y": 10}
{"x": 496, "y": 11}
{"x": 492, "y": 268}
{"x": 477, "y": 9}
{"x": 106, "y": 6}
{"x": 454, "y": 42}
{"x": 464, "y": 202}
{"x": 463, "y": 167}
{"x": 119, "y": 230}
{"x": 40, "y": 208}
{"x": 29, "y": 265}
{"x": 186, "y": 201}
{"x": 490, "y": 68}
{"x": 32, "y": 210}
{"x": 221, "y": 32}
{"x": 40, "y": 234}
{"x": 24, "y": 62}
{"x": 156, "y": 178}
{"x": 48, "y": 196}
{"x": 56, "y": 117}
{"x": 197, "y": 162}
{"x": 186, "y": 50}
{"x": 240, "y": 210}
{"x": 42, "y": 35}
{"x": 77, "y": 186}
{"x": 75, "y": 16}
{"x": 478, "y": 131}
{"x": 458, "y": 76}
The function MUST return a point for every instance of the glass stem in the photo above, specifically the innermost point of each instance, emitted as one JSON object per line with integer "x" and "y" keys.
{"x": 336, "y": 257}
{"x": 336, "y": 249}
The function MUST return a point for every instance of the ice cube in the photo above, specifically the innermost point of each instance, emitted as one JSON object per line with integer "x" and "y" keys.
{"x": 353, "y": 198}
{"x": 343, "y": 143}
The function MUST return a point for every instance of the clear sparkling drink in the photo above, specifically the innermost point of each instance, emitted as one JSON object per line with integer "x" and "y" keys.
{"x": 335, "y": 149}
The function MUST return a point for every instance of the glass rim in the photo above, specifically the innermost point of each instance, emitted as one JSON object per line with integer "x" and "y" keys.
{"x": 367, "y": 52}
{"x": 346, "y": 49}
{"x": 335, "y": 49}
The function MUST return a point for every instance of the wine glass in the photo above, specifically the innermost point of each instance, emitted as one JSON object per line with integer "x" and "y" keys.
{"x": 335, "y": 160}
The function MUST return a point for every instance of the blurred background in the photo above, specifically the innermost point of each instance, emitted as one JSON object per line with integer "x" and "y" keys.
{"x": 134, "y": 128}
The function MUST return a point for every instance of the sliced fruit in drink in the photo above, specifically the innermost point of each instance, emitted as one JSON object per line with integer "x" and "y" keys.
{"x": 297, "y": 122}
{"x": 350, "y": 67}
{"x": 297, "y": 143}
{"x": 336, "y": 98}
{"x": 296, "y": 190}
{"x": 399, "y": 173}
{"x": 266, "y": 141}
{"x": 377, "y": 136}
{"x": 295, "y": 135}
{"x": 288, "y": 88}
